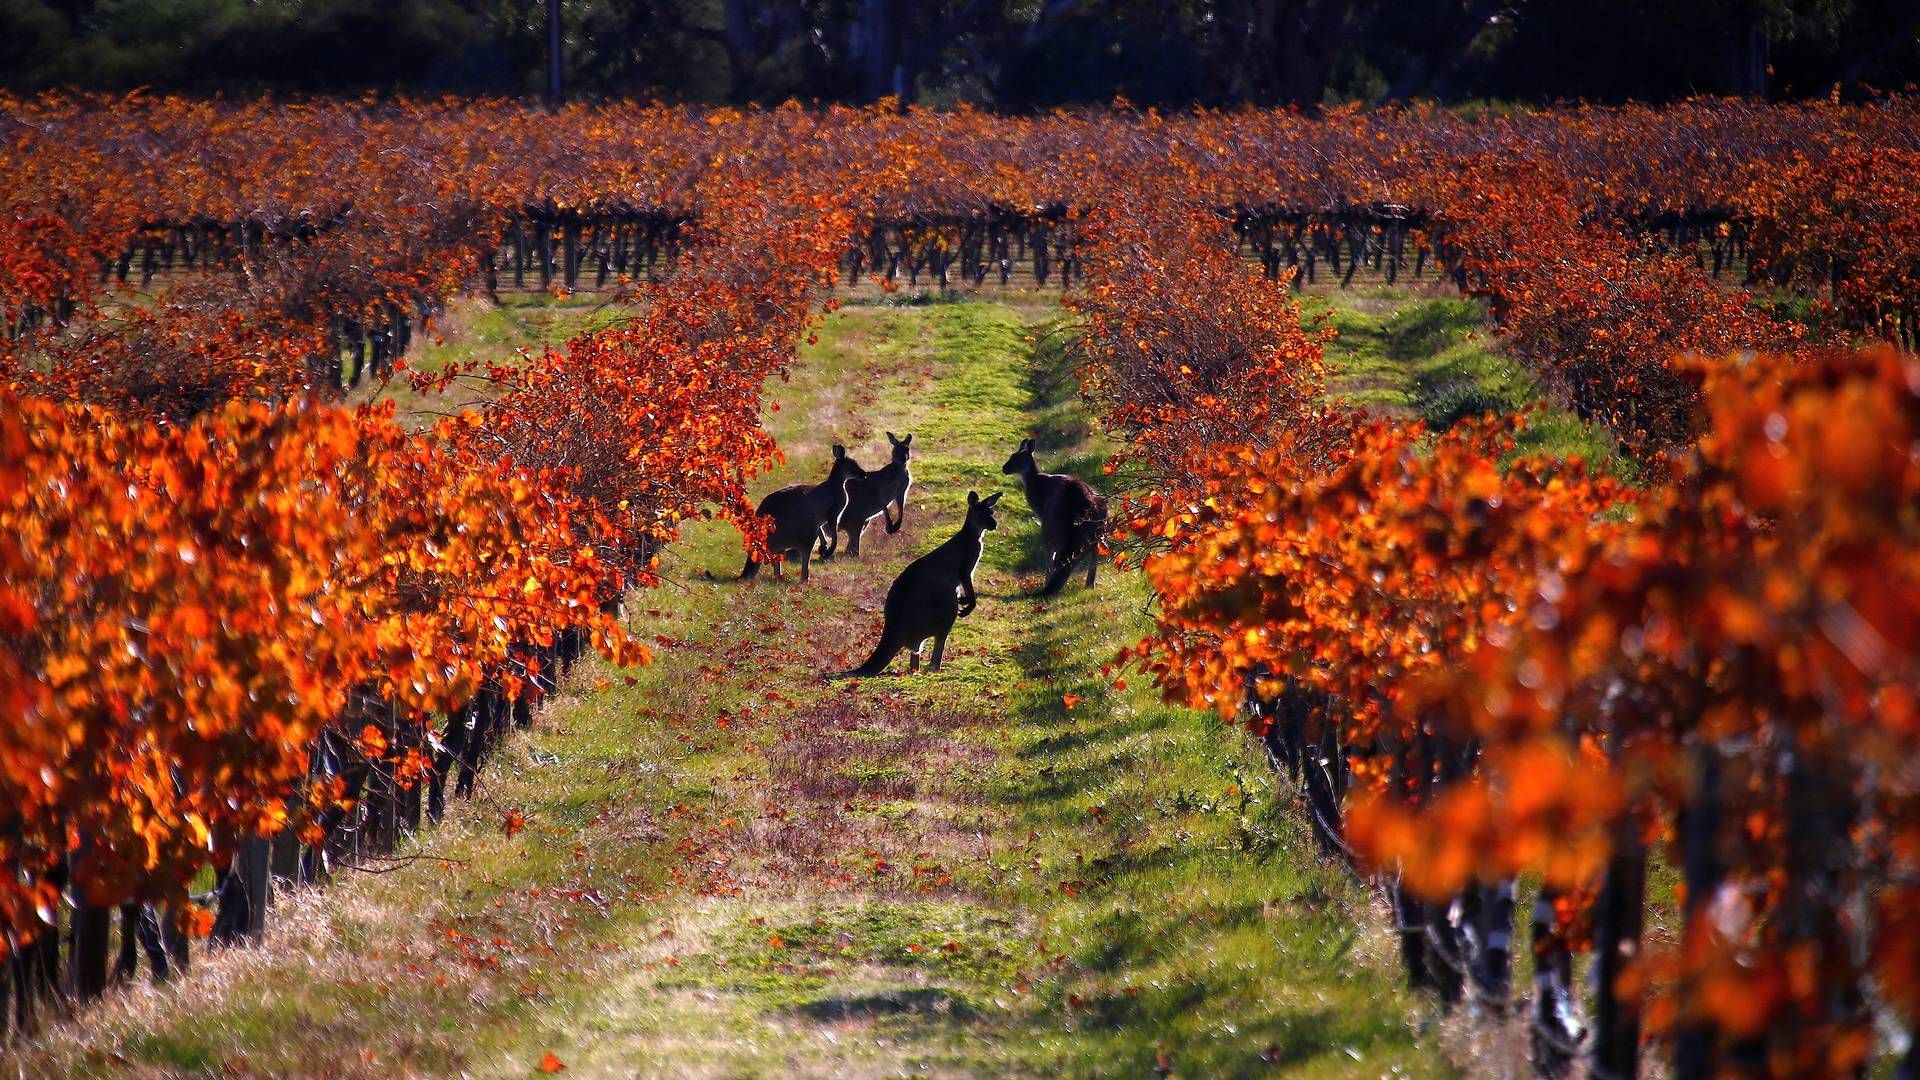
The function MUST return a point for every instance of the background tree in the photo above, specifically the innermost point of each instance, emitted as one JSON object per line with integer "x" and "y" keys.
{"x": 1017, "y": 54}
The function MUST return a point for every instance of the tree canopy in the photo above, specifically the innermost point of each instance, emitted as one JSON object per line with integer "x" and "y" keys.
{"x": 1008, "y": 54}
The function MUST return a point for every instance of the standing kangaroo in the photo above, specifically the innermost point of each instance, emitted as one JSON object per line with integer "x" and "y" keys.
{"x": 804, "y": 515}
{"x": 1072, "y": 517}
{"x": 871, "y": 495}
{"x": 933, "y": 591}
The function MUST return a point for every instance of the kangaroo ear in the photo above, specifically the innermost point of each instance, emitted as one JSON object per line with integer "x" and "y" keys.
{"x": 1026, "y": 444}
{"x": 973, "y": 499}
{"x": 892, "y": 439}
{"x": 908, "y": 441}
{"x": 992, "y": 499}
{"x": 839, "y": 451}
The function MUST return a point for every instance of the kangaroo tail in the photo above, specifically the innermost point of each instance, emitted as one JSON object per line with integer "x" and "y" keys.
{"x": 1087, "y": 547}
{"x": 1057, "y": 577}
{"x": 883, "y": 655}
{"x": 751, "y": 570}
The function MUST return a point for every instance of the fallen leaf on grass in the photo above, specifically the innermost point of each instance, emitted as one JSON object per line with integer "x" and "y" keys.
{"x": 551, "y": 1064}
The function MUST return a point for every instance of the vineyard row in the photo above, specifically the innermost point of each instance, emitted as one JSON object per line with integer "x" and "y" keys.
{"x": 217, "y": 584}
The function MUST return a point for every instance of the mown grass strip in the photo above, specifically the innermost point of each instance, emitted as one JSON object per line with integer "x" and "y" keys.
{"x": 1433, "y": 358}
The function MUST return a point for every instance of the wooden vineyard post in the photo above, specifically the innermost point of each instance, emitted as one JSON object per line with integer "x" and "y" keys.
{"x": 382, "y": 798}
{"x": 409, "y": 732}
{"x": 1491, "y": 935}
{"x": 286, "y": 856}
{"x": 252, "y": 875}
{"x": 174, "y": 940}
{"x": 1555, "y": 1034}
{"x": 1617, "y": 928}
{"x": 1618, "y": 920}
{"x": 1694, "y": 1045}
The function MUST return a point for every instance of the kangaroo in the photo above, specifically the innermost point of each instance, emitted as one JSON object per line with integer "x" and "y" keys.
{"x": 804, "y": 515}
{"x": 871, "y": 496}
{"x": 930, "y": 593}
{"x": 1072, "y": 517}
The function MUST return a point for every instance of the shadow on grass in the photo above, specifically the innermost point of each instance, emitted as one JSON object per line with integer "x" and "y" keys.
{"x": 916, "y": 1002}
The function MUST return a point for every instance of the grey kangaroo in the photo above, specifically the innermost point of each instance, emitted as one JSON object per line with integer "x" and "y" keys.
{"x": 804, "y": 515}
{"x": 872, "y": 496}
{"x": 1072, "y": 517}
{"x": 933, "y": 591}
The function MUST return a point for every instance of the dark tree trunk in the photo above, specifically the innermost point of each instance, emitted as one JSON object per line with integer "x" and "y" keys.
{"x": 1747, "y": 53}
{"x": 876, "y": 47}
{"x": 1430, "y": 70}
{"x": 556, "y": 90}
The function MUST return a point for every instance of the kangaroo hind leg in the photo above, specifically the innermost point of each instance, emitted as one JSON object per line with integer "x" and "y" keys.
{"x": 939, "y": 649}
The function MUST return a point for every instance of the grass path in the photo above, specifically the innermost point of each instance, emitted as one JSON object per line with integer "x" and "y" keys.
{"x": 1431, "y": 357}
{"x": 1009, "y": 867}
{"x": 730, "y": 868}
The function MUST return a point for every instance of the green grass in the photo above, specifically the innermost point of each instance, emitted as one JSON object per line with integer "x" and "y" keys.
{"x": 1144, "y": 890}
{"x": 476, "y": 329}
{"x": 1432, "y": 358}
{"x": 952, "y": 873}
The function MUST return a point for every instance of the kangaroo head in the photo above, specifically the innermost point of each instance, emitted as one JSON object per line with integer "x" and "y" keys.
{"x": 980, "y": 511}
{"x": 844, "y": 467}
{"x": 902, "y": 448}
{"x": 1022, "y": 459}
